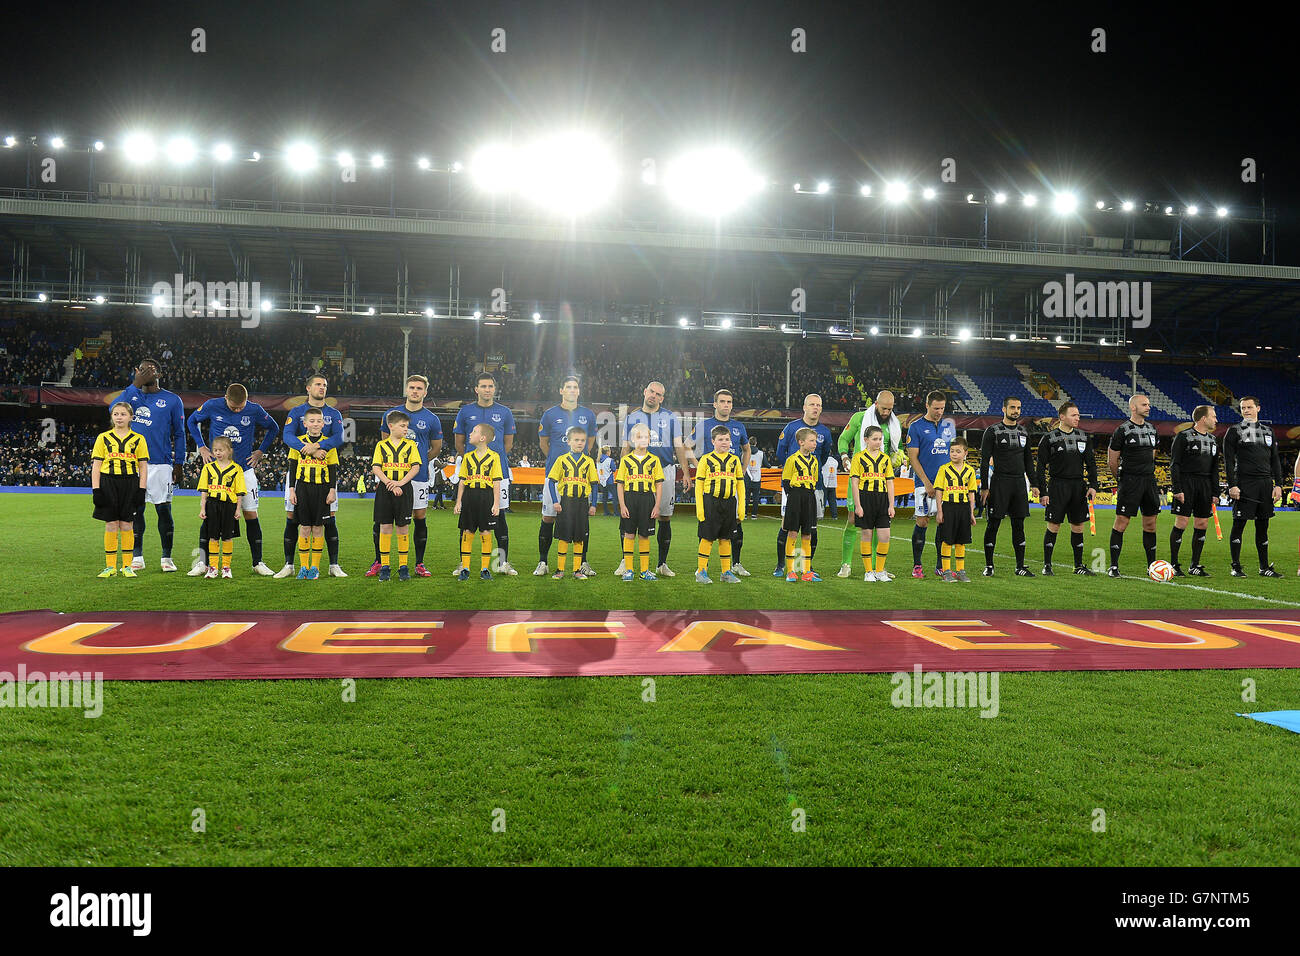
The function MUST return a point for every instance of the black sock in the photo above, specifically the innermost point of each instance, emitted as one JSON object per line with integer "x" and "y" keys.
{"x": 203, "y": 544}
{"x": 331, "y": 539}
{"x": 253, "y": 528}
{"x": 1116, "y": 546}
{"x": 780, "y": 547}
{"x": 737, "y": 542}
{"x": 1175, "y": 543}
{"x": 137, "y": 525}
{"x": 1261, "y": 541}
{"x": 503, "y": 538}
{"x": 1234, "y": 540}
{"x": 990, "y": 540}
{"x": 166, "y": 528}
{"x": 290, "y": 539}
{"x": 813, "y": 544}
{"x": 586, "y": 546}
{"x": 1018, "y": 540}
{"x": 665, "y": 537}
{"x": 544, "y": 535}
{"x": 421, "y": 538}
{"x": 375, "y": 533}
{"x": 1076, "y": 544}
{"x": 1049, "y": 545}
{"x": 1149, "y": 545}
{"x": 938, "y": 551}
{"x": 1198, "y": 542}
{"x": 918, "y": 545}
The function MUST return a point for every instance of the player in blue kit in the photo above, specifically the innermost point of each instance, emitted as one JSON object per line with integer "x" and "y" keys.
{"x": 723, "y": 403}
{"x": 789, "y": 445}
{"x": 332, "y": 439}
{"x": 160, "y": 418}
{"x": 928, "y": 439}
{"x": 665, "y": 443}
{"x": 426, "y": 432}
{"x": 486, "y": 410}
{"x": 551, "y": 431}
{"x": 234, "y": 416}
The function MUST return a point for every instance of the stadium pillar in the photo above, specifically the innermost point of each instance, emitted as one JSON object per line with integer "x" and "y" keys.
{"x": 788, "y": 347}
{"x": 406, "y": 351}
{"x": 1133, "y": 374}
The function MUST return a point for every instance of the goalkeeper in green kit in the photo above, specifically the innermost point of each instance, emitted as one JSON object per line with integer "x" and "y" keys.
{"x": 881, "y": 414}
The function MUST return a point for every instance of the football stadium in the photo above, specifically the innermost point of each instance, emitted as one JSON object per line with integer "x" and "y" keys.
{"x": 527, "y": 497}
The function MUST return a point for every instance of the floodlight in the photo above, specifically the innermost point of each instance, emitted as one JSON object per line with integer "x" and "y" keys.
{"x": 492, "y": 168}
{"x": 1127, "y": 205}
{"x": 1221, "y": 212}
{"x": 726, "y": 323}
{"x": 865, "y": 189}
{"x": 266, "y": 305}
{"x": 999, "y": 198}
{"x": 346, "y": 159}
{"x": 300, "y": 156}
{"x": 56, "y": 142}
{"x": 1064, "y": 203}
{"x": 570, "y": 173}
{"x": 683, "y": 322}
{"x": 423, "y": 162}
{"x": 875, "y": 330}
{"x": 896, "y": 191}
{"x": 376, "y": 160}
{"x": 916, "y": 333}
{"x": 1193, "y": 210}
{"x": 428, "y": 313}
{"x": 823, "y": 187}
{"x": 712, "y": 181}
{"x": 928, "y": 192}
{"x": 99, "y": 300}
{"x": 180, "y": 150}
{"x": 1030, "y": 200}
{"x": 139, "y": 148}
{"x": 223, "y": 152}
{"x": 963, "y": 334}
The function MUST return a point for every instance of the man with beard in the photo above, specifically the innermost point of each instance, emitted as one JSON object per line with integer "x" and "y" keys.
{"x": 1006, "y": 448}
{"x": 1065, "y": 455}
{"x": 1254, "y": 483}
{"x": 160, "y": 419}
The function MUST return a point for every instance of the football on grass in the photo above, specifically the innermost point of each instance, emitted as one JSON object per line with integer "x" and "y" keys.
{"x": 1160, "y": 570}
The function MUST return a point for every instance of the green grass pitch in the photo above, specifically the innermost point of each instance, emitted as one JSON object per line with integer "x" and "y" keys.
{"x": 587, "y": 772}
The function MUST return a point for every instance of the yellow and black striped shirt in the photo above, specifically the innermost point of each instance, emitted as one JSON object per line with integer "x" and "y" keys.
{"x": 719, "y": 476}
{"x": 395, "y": 458}
{"x": 639, "y": 474}
{"x": 872, "y": 471}
{"x": 802, "y": 471}
{"x": 480, "y": 471}
{"x": 120, "y": 456}
{"x": 223, "y": 484}
{"x": 956, "y": 482}
{"x": 573, "y": 476}
{"x": 313, "y": 470}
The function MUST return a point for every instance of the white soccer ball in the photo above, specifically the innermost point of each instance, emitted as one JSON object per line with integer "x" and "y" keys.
{"x": 1160, "y": 570}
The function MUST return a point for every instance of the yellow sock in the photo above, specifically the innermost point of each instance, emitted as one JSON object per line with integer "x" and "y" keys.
{"x": 110, "y": 549}
{"x": 128, "y": 545}
{"x": 789, "y": 554}
{"x": 864, "y": 549}
{"x": 317, "y": 546}
{"x": 882, "y": 549}
{"x": 577, "y": 555}
{"x": 628, "y": 545}
{"x": 564, "y": 553}
{"x": 945, "y": 551}
{"x": 304, "y": 551}
{"x": 724, "y": 555}
{"x": 644, "y": 544}
{"x": 706, "y": 551}
{"x": 466, "y": 547}
{"x": 485, "y": 540}
{"x": 807, "y": 554}
{"x": 386, "y": 548}
{"x": 960, "y": 551}
{"x": 214, "y": 552}
{"x": 227, "y": 552}
{"x": 403, "y": 548}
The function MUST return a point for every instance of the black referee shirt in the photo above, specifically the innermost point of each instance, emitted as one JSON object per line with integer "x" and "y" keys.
{"x": 1193, "y": 456}
{"x": 1007, "y": 447}
{"x": 1249, "y": 451}
{"x": 1136, "y": 445}
{"x": 1066, "y": 455}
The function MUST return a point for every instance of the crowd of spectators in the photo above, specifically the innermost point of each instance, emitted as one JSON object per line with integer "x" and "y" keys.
{"x": 27, "y": 458}
{"x": 205, "y": 355}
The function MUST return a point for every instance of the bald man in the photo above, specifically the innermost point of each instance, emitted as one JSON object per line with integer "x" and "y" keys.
{"x": 1132, "y": 460}
{"x": 853, "y": 440}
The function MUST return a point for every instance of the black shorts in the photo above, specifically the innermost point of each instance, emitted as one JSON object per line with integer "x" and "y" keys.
{"x": 391, "y": 508}
{"x": 571, "y": 522}
{"x": 875, "y": 509}
{"x": 1137, "y": 494}
{"x": 639, "y": 505}
{"x": 1199, "y": 497}
{"x": 800, "y": 511}
{"x": 119, "y": 493}
{"x": 1256, "y": 499}
{"x": 1067, "y": 500}
{"x": 1008, "y": 497}
{"x": 720, "y": 520}
{"x": 476, "y": 510}
{"x": 955, "y": 528}
{"x": 312, "y": 508}
{"x": 222, "y": 522}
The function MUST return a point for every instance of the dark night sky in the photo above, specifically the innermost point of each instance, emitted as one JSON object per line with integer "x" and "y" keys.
{"x": 1011, "y": 90}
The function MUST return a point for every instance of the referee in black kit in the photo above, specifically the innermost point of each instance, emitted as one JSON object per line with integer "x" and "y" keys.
{"x": 1194, "y": 477}
{"x": 1254, "y": 483}
{"x": 1132, "y": 459}
{"x": 1064, "y": 456}
{"x": 1006, "y": 447}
